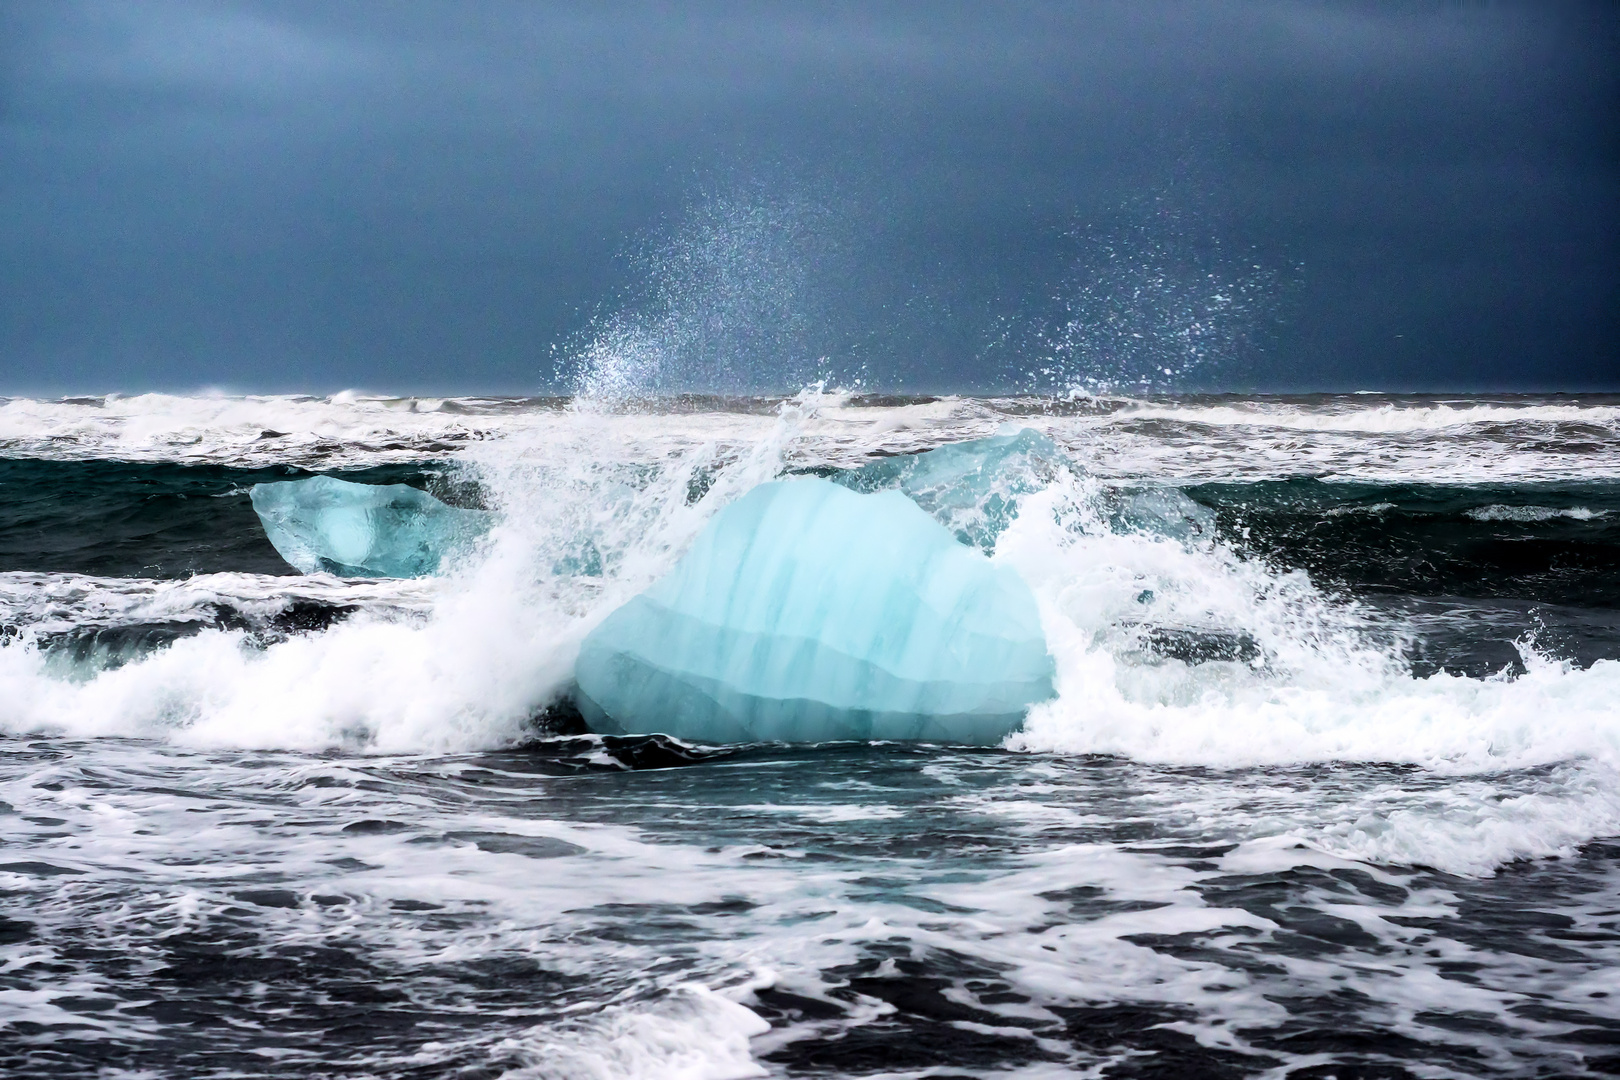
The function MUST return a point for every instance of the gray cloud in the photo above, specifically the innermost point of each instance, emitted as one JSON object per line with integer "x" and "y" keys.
{"x": 439, "y": 195}
{"x": 189, "y": 45}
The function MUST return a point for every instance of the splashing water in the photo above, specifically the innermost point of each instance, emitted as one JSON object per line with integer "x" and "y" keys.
{"x": 1248, "y": 834}
{"x": 735, "y": 301}
{"x": 590, "y": 516}
{"x": 1154, "y": 301}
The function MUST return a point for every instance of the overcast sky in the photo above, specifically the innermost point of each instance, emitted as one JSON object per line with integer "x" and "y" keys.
{"x": 467, "y": 196}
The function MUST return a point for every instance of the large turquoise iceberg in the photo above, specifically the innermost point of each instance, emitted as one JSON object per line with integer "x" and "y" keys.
{"x": 363, "y": 530}
{"x": 807, "y": 612}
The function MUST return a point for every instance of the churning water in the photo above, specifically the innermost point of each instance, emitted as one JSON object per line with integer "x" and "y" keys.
{"x": 1329, "y": 789}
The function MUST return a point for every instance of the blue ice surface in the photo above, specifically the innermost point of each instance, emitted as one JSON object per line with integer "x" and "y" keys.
{"x": 807, "y": 612}
{"x": 972, "y": 488}
{"x": 363, "y": 530}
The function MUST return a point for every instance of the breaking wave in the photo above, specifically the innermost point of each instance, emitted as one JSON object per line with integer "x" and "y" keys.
{"x": 1192, "y": 650}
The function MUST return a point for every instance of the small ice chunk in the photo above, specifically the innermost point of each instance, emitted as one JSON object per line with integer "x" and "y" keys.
{"x": 806, "y": 612}
{"x": 363, "y": 530}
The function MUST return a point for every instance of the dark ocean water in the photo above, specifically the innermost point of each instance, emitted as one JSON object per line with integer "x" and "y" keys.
{"x": 1329, "y": 789}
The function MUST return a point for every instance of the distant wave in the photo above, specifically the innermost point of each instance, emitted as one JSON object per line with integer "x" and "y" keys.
{"x": 1349, "y": 437}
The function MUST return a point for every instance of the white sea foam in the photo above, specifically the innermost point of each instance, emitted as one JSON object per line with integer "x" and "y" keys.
{"x": 1321, "y": 690}
{"x": 693, "y": 1034}
{"x": 46, "y": 603}
{"x": 338, "y": 430}
{"x": 1473, "y": 825}
{"x": 1374, "y": 416}
{"x": 1534, "y": 513}
{"x": 1345, "y": 438}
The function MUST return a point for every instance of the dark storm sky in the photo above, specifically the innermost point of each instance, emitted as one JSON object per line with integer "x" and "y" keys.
{"x": 435, "y": 197}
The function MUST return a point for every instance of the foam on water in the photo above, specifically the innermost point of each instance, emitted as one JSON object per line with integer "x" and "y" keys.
{"x": 1318, "y": 687}
{"x": 1496, "y": 512}
{"x": 344, "y": 428}
{"x": 554, "y": 922}
{"x": 44, "y": 603}
{"x": 1372, "y": 438}
{"x": 1375, "y": 416}
{"x": 693, "y": 1034}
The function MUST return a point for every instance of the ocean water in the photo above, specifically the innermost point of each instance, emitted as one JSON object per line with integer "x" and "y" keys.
{"x": 1330, "y": 788}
